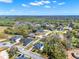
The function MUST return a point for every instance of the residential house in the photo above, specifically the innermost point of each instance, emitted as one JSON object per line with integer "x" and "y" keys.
{"x": 68, "y": 28}
{"x": 26, "y": 41}
{"x": 38, "y": 46}
{"x": 70, "y": 25}
{"x": 32, "y": 35}
{"x": 40, "y": 31}
{"x": 60, "y": 27}
{"x": 16, "y": 38}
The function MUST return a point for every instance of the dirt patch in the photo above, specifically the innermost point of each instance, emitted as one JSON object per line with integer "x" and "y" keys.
{"x": 69, "y": 55}
{"x": 71, "y": 51}
{"x": 2, "y": 28}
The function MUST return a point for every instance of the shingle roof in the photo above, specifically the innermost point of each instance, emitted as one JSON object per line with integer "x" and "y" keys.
{"x": 38, "y": 45}
{"x": 16, "y": 37}
{"x": 27, "y": 41}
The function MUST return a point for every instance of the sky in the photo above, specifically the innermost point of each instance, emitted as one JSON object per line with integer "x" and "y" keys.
{"x": 39, "y": 7}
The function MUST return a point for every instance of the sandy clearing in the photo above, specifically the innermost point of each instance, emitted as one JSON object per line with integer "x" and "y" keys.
{"x": 71, "y": 51}
{"x": 2, "y": 28}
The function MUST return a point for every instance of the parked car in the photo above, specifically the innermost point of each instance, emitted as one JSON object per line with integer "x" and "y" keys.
{"x": 21, "y": 56}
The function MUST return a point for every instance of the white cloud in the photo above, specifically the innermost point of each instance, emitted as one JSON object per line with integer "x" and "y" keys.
{"x": 6, "y": 1}
{"x": 54, "y": 1}
{"x": 62, "y": 3}
{"x": 24, "y": 5}
{"x": 36, "y": 3}
{"x": 47, "y": 6}
{"x": 45, "y": 2}
{"x": 39, "y": 3}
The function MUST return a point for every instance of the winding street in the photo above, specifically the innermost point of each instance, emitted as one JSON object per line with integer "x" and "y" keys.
{"x": 29, "y": 53}
{"x": 22, "y": 50}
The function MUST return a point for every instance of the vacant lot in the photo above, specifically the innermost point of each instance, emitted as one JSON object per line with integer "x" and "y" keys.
{"x": 3, "y": 36}
{"x": 69, "y": 55}
{"x": 2, "y": 28}
{"x": 71, "y": 51}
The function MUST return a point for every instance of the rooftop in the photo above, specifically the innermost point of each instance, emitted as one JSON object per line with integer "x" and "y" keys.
{"x": 26, "y": 41}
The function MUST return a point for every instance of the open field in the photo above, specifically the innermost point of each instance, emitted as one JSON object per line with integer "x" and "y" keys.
{"x": 3, "y": 36}
{"x": 2, "y": 28}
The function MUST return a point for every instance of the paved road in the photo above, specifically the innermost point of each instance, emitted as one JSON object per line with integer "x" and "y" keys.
{"x": 21, "y": 49}
{"x": 40, "y": 37}
{"x": 5, "y": 44}
{"x": 29, "y": 53}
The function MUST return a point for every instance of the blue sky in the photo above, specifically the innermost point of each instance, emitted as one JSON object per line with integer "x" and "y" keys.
{"x": 39, "y": 7}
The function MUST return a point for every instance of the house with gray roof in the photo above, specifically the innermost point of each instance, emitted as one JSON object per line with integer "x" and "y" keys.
{"x": 16, "y": 38}
{"x": 39, "y": 46}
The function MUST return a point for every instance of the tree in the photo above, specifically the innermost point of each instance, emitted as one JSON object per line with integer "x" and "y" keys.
{"x": 75, "y": 42}
{"x": 19, "y": 30}
{"x": 13, "y": 51}
{"x": 9, "y": 31}
{"x": 22, "y": 30}
{"x": 54, "y": 49}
